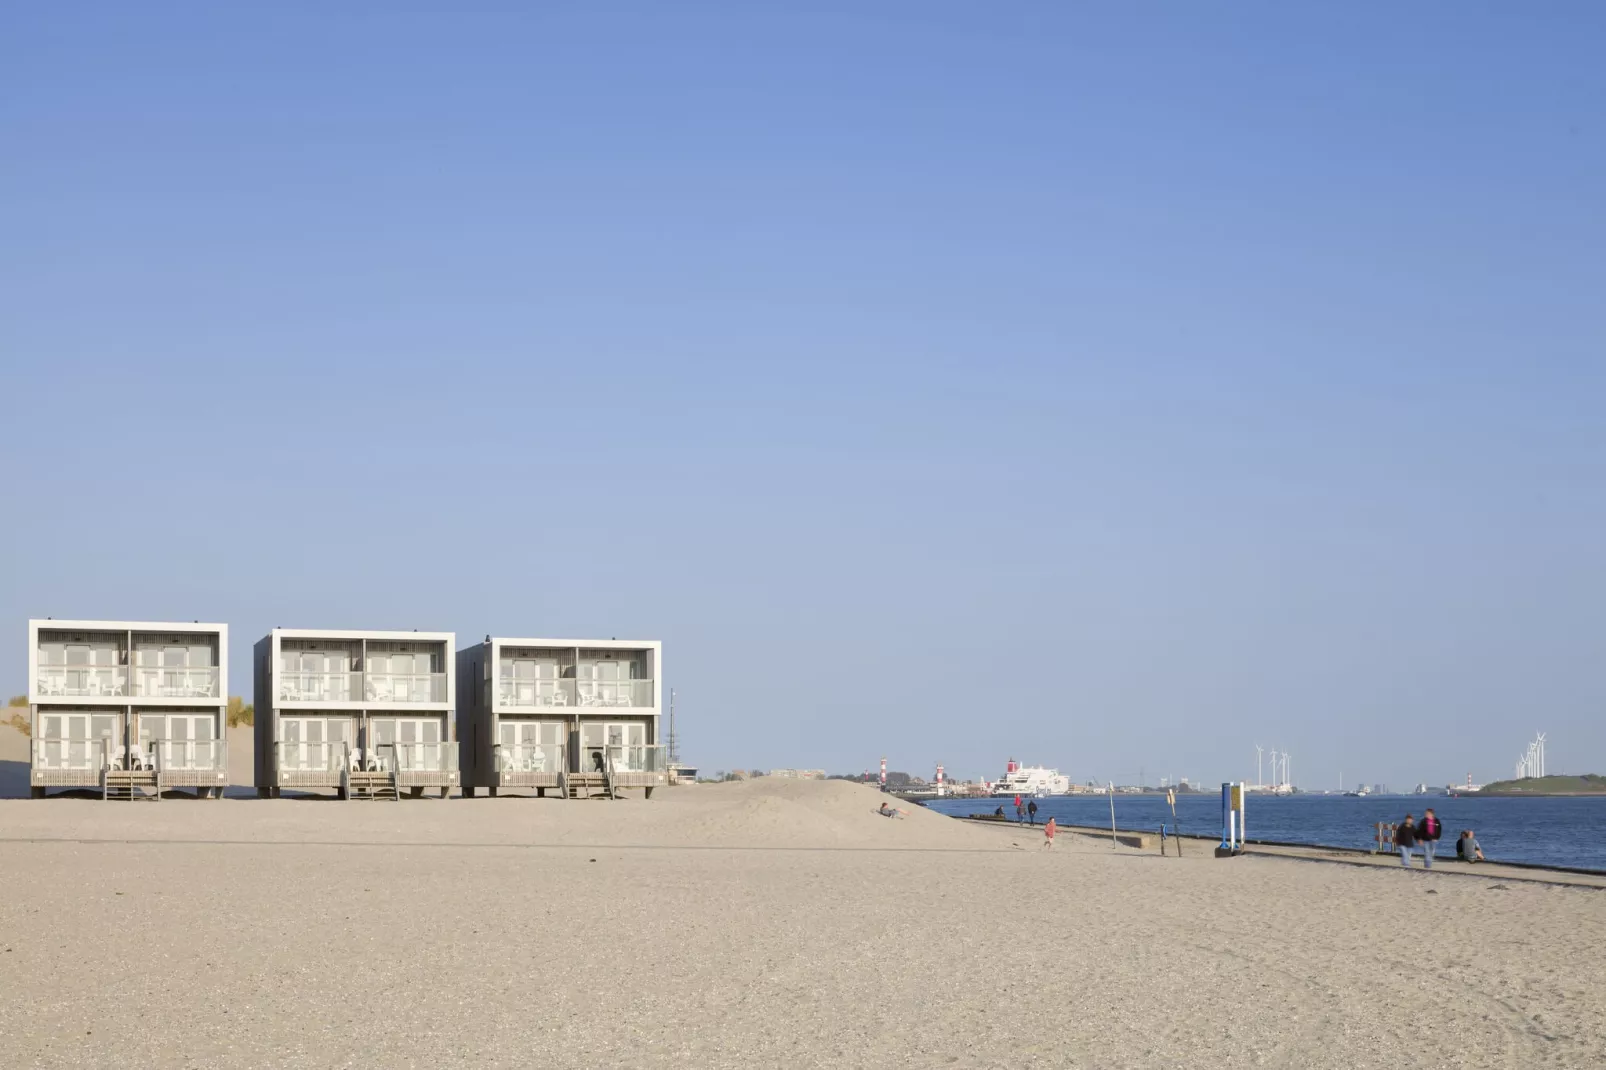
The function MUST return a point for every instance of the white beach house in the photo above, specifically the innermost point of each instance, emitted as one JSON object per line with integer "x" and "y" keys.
{"x": 365, "y": 713}
{"x": 128, "y": 707}
{"x": 579, "y": 716}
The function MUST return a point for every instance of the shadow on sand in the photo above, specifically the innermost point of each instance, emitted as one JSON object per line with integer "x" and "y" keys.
{"x": 13, "y": 780}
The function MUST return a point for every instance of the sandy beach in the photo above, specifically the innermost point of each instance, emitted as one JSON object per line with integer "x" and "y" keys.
{"x": 767, "y": 923}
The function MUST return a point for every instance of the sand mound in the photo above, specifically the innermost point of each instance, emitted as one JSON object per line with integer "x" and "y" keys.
{"x": 807, "y": 813}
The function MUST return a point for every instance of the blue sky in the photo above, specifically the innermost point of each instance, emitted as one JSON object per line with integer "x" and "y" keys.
{"x": 1113, "y": 389}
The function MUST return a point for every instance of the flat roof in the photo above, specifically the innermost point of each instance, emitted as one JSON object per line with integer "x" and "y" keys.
{"x": 127, "y": 625}
{"x": 598, "y": 644}
{"x": 359, "y": 633}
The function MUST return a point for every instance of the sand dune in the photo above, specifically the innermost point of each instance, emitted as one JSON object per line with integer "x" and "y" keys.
{"x": 746, "y": 925}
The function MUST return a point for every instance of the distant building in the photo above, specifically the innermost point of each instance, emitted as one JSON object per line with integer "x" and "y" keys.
{"x": 578, "y": 717}
{"x": 799, "y": 774}
{"x": 128, "y": 707}
{"x": 362, "y": 713}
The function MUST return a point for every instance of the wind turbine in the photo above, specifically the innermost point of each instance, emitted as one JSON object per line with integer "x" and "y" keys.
{"x": 1258, "y": 781}
{"x": 1541, "y": 743}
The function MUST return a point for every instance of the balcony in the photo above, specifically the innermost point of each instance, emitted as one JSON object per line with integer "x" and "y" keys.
{"x": 542, "y": 758}
{"x": 320, "y": 686}
{"x": 566, "y": 694}
{"x": 530, "y": 694}
{"x": 404, "y": 687}
{"x": 529, "y": 764}
{"x": 151, "y": 682}
{"x": 638, "y": 758}
{"x": 82, "y": 681}
{"x": 404, "y": 758}
{"x": 86, "y": 756}
{"x": 195, "y": 762}
{"x": 637, "y": 765}
{"x": 311, "y": 764}
{"x": 175, "y": 762}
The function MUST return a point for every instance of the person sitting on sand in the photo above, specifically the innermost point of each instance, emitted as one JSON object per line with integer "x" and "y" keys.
{"x": 1048, "y": 833}
{"x": 887, "y": 811}
{"x": 1467, "y": 849}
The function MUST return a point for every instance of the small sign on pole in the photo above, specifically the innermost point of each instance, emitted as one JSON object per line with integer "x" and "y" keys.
{"x": 1232, "y": 820}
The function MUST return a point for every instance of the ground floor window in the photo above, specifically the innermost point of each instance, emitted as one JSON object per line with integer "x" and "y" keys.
{"x": 531, "y": 746}
{"x": 621, "y": 743}
{"x": 79, "y": 740}
{"x": 314, "y": 743}
{"x": 180, "y": 740}
{"x": 406, "y": 743}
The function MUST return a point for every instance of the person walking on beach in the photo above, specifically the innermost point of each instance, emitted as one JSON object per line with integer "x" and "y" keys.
{"x": 1428, "y": 834}
{"x": 1467, "y": 849}
{"x": 1405, "y": 840}
{"x": 1048, "y": 833}
{"x": 1031, "y": 811}
{"x": 1019, "y": 816}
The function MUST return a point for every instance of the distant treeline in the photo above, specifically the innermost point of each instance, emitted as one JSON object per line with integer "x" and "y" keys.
{"x": 1588, "y": 784}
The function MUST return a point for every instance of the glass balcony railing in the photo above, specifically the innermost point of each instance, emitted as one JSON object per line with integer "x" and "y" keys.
{"x": 538, "y": 694}
{"x": 313, "y": 757}
{"x": 404, "y": 687}
{"x": 164, "y": 682}
{"x": 636, "y": 758}
{"x": 562, "y": 694}
{"x": 417, "y": 757}
{"x": 531, "y": 757}
{"x": 82, "y": 681}
{"x": 320, "y": 686}
{"x": 197, "y": 755}
{"x": 625, "y": 693}
{"x": 80, "y": 754}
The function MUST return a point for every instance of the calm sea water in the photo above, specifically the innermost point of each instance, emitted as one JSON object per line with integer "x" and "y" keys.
{"x": 1557, "y": 832}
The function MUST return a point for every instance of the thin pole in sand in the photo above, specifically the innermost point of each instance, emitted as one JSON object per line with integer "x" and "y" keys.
{"x": 1176, "y": 829}
{"x": 1112, "y": 815}
{"x": 674, "y": 744}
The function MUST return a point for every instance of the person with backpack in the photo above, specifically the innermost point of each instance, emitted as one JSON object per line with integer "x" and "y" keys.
{"x": 1405, "y": 840}
{"x": 1427, "y": 834}
{"x": 1031, "y": 811}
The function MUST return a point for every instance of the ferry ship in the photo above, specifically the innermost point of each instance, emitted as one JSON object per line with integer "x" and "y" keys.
{"x": 1034, "y": 781}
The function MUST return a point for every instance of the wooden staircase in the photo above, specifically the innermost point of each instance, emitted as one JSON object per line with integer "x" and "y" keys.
{"x": 589, "y": 786}
{"x": 373, "y": 786}
{"x": 129, "y": 784}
